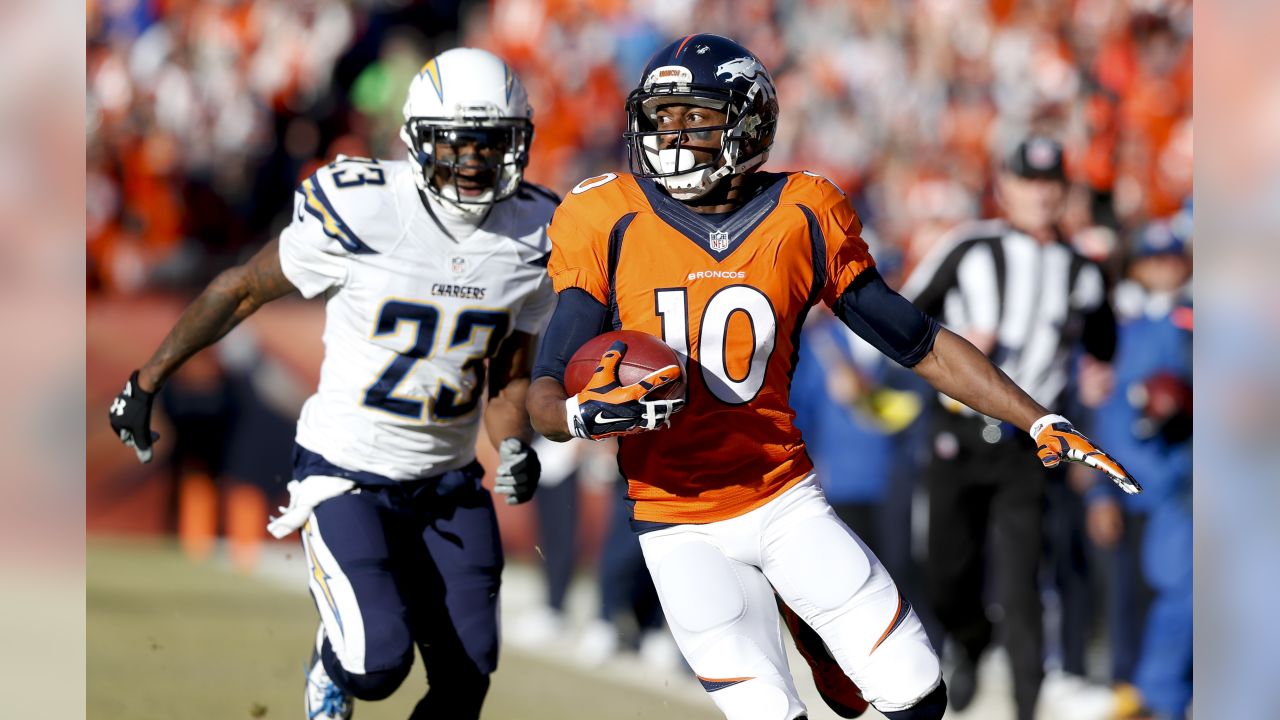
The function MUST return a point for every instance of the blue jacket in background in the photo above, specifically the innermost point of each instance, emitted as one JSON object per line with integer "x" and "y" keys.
{"x": 1147, "y": 344}
{"x": 852, "y": 456}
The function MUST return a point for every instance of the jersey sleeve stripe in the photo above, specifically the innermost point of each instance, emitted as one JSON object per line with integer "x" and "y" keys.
{"x": 318, "y": 205}
{"x": 615, "y": 252}
{"x": 818, "y": 248}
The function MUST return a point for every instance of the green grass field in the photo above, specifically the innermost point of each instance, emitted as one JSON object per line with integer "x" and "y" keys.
{"x": 169, "y": 640}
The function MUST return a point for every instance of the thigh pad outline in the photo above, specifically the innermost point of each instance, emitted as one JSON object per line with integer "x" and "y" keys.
{"x": 700, "y": 587}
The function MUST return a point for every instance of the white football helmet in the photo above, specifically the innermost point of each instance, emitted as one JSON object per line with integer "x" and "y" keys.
{"x": 468, "y": 100}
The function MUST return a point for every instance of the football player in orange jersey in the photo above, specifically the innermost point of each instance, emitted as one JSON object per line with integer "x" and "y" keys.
{"x": 723, "y": 262}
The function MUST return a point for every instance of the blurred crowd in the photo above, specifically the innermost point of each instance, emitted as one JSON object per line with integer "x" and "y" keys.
{"x": 203, "y": 116}
{"x": 906, "y": 105}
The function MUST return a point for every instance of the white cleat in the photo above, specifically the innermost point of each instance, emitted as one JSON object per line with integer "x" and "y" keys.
{"x": 598, "y": 644}
{"x": 535, "y": 628}
{"x": 323, "y": 699}
{"x": 658, "y": 649}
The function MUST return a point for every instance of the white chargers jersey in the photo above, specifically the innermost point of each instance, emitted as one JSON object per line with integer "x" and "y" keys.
{"x": 410, "y": 314}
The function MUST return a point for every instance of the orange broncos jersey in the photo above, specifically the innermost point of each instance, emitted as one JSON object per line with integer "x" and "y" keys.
{"x": 730, "y": 298}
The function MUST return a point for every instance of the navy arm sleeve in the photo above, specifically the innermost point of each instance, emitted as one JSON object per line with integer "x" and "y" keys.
{"x": 578, "y": 317}
{"x": 885, "y": 319}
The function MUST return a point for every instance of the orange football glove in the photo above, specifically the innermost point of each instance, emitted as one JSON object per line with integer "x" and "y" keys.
{"x": 606, "y": 408}
{"x": 1056, "y": 440}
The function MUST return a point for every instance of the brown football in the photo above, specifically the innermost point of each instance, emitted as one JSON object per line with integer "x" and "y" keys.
{"x": 645, "y": 353}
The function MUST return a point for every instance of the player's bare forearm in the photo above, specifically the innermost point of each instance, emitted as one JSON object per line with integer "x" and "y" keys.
{"x": 958, "y": 369}
{"x": 505, "y": 415}
{"x": 234, "y": 295}
{"x": 546, "y": 409}
{"x": 509, "y": 369}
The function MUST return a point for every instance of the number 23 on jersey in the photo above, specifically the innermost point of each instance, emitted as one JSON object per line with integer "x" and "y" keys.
{"x": 475, "y": 335}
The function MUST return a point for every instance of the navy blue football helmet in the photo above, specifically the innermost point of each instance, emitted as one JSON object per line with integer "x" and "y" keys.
{"x": 710, "y": 71}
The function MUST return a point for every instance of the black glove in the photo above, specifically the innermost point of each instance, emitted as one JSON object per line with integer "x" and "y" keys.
{"x": 518, "y": 471}
{"x": 130, "y": 416}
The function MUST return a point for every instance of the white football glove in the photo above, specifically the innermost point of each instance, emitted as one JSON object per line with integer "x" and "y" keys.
{"x": 518, "y": 471}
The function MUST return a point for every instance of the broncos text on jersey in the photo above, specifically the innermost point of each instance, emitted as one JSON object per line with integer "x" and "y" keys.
{"x": 411, "y": 313}
{"x": 730, "y": 297}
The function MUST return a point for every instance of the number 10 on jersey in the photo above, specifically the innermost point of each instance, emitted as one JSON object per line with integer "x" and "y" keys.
{"x": 714, "y": 346}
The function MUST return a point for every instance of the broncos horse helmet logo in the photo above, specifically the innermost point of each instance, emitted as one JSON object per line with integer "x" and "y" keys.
{"x": 744, "y": 67}
{"x": 748, "y": 68}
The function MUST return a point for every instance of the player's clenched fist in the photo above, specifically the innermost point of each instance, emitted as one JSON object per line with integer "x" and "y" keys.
{"x": 1056, "y": 440}
{"x": 130, "y": 415}
{"x": 606, "y": 407}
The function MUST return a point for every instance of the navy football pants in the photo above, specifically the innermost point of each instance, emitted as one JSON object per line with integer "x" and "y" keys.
{"x": 417, "y": 562}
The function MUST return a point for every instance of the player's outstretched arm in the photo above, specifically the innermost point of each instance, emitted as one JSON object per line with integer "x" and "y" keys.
{"x": 961, "y": 371}
{"x": 234, "y": 295}
{"x": 958, "y": 369}
{"x": 506, "y": 420}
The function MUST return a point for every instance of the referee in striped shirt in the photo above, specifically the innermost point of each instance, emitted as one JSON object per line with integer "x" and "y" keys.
{"x": 1014, "y": 288}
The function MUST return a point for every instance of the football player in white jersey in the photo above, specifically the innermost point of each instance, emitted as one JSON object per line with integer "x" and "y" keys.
{"x": 433, "y": 275}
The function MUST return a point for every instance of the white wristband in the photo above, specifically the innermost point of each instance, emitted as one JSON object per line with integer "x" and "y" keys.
{"x": 571, "y": 413}
{"x": 1044, "y": 422}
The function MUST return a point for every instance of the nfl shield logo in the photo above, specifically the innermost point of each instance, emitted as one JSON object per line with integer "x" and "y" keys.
{"x": 458, "y": 264}
{"x": 719, "y": 240}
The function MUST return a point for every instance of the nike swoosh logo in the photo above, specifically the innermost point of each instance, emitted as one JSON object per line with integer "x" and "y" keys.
{"x": 600, "y": 418}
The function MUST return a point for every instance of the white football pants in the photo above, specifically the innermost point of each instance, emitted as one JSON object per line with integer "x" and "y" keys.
{"x": 716, "y": 583}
